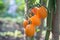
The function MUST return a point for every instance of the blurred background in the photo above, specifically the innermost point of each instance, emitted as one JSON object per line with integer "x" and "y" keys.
{"x": 11, "y": 18}
{"x": 12, "y": 14}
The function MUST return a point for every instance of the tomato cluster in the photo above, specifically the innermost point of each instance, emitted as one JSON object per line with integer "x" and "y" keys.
{"x": 31, "y": 23}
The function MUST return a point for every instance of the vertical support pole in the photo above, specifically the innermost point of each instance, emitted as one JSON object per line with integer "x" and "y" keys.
{"x": 56, "y": 22}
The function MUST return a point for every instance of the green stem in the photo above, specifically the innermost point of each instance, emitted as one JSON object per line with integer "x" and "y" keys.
{"x": 50, "y": 5}
{"x": 49, "y": 26}
{"x": 32, "y": 38}
{"x": 47, "y": 35}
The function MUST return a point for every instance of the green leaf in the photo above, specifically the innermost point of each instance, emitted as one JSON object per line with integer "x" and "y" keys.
{"x": 37, "y": 30}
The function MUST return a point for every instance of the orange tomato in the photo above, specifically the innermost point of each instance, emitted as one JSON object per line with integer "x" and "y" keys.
{"x": 43, "y": 12}
{"x": 35, "y": 10}
{"x": 35, "y": 20}
{"x": 25, "y": 23}
{"x": 30, "y": 30}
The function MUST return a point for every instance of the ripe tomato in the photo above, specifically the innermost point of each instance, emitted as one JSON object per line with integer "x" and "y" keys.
{"x": 35, "y": 20}
{"x": 25, "y": 23}
{"x": 30, "y": 30}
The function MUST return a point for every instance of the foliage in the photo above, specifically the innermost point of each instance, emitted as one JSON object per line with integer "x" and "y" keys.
{"x": 21, "y": 6}
{"x": 2, "y": 6}
{"x": 37, "y": 30}
{"x": 18, "y": 19}
{"x": 33, "y": 3}
{"x": 12, "y": 34}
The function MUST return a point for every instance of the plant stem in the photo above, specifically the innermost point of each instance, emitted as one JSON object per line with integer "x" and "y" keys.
{"x": 32, "y": 38}
{"x": 50, "y": 7}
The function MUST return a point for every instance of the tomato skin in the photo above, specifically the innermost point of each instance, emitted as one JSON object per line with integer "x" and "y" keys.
{"x": 35, "y": 20}
{"x": 25, "y": 23}
{"x": 30, "y": 30}
{"x": 35, "y": 10}
{"x": 43, "y": 12}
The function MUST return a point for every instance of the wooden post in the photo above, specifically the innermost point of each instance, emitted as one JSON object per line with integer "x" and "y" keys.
{"x": 56, "y": 22}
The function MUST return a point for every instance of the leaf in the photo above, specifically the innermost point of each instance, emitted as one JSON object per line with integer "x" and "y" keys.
{"x": 37, "y": 30}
